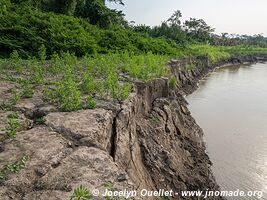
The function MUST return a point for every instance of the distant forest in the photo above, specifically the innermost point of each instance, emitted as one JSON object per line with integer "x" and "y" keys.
{"x": 89, "y": 27}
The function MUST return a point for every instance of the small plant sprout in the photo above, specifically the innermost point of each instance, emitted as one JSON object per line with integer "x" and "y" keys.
{"x": 13, "y": 125}
{"x": 13, "y": 167}
{"x": 80, "y": 193}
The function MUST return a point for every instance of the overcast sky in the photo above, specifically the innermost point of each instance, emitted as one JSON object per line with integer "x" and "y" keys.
{"x": 231, "y": 16}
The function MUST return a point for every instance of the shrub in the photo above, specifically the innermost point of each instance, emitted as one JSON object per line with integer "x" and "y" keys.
{"x": 27, "y": 90}
{"x": 67, "y": 94}
{"x": 89, "y": 85}
{"x": 25, "y": 30}
{"x": 42, "y": 53}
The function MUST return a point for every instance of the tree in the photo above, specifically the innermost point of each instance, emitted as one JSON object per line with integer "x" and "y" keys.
{"x": 197, "y": 29}
{"x": 175, "y": 18}
{"x": 98, "y": 13}
{"x": 116, "y": 1}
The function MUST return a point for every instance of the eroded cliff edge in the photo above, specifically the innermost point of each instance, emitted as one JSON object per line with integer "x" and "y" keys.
{"x": 150, "y": 141}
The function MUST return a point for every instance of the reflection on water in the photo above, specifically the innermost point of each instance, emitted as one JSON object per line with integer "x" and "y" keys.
{"x": 231, "y": 107}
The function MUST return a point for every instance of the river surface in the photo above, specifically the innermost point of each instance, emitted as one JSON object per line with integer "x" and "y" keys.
{"x": 230, "y": 105}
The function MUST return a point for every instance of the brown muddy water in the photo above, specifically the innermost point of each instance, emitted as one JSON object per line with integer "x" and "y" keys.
{"x": 230, "y": 105}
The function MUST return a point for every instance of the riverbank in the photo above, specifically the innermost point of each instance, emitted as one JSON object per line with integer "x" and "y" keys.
{"x": 149, "y": 141}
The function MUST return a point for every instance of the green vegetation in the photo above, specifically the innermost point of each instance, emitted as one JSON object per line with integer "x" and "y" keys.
{"x": 39, "y": 121}
{"x": 30, "y": 32}
{"x": 172, "y": 82}
{"x": 15, "y": 97}
{"x": 13, "y": 125}
{"x": 27, "y": 90}
{"x": 67, "y": 94}
{"x": 80, "y": 193}
{"x": 67, "y": 79}
{"x": 91, "y": 104}
{"x": 77, "y": 52}
{"x": 13, "y": 167}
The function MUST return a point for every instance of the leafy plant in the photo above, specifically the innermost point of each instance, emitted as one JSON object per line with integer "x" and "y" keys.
{"x": 42, "y": 53}
{"x": 67, "y": 94}
{"x": 15, "y": 97}
{"x": 13, "y": 167}
{"x": 12, "y": 126}
{"x": 39, "y": 121}
{"x": 122, "y": 91}
{"x": 15, "y": 55}
{"x": 89, "y": 86}
{"x": 91, "y": 104}
{"x": 37, "y": 73}
{"x": 27, "y": 90}
{"x": 80, "y": 193}
{"x": 15, "y": 61}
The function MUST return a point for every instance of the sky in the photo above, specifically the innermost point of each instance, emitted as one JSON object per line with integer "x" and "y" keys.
{"x": 230, "y": 16}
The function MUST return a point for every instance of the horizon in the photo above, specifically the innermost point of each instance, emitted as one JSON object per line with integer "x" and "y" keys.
{"x": 243, "y": 17}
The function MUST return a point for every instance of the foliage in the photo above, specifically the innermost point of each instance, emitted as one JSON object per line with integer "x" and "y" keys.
{"x": 67, "y": 79}
{"x": 215, "y": 54}
{"x": 15, "y": 97}
{"x": 198, "y": 30}
{"x": 42, "y": 52}
{"x": 89, "y": 85}
{"x": 36, "y": 71}
{"x": 39, "y": 121}
{"x": 27, "y": 90}
{"x": 12, "y": 126}
{"x": 172, "y": 82}
{"x": 98, "y": 14}
{"x": 192, "y": 30}
{"x": 226, "y": 39}
{"x": 67, "y": 94}
{"x": 80, "y": 193}
{"x": 29, "y": 32}
{"x": 91, "y": 104}
{"x": 13, "y": 167}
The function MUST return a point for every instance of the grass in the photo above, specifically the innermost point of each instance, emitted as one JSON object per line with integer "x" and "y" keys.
{"x": 215, "y": 54}
{"x": 220, "y": 53}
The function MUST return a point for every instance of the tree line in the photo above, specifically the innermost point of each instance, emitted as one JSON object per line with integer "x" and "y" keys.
{"x": 89, "y": 26}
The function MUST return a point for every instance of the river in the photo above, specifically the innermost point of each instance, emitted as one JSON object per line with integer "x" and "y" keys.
{"x": 230, "y": 105}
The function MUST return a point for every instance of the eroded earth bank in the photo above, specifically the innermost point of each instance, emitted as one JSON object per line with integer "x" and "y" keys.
{"x": 150, "y": 141}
